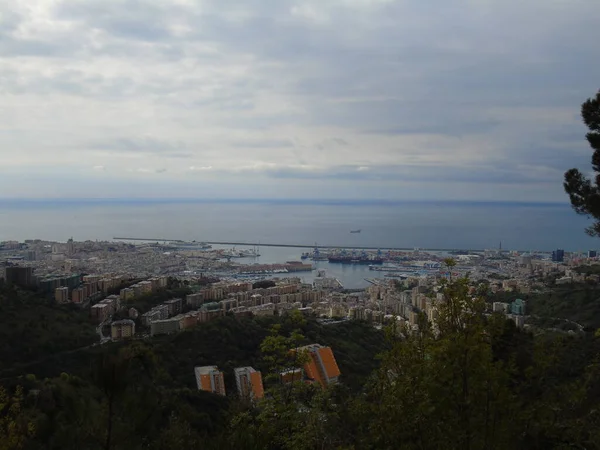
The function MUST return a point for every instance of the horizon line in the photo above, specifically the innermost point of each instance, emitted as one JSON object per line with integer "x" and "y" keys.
{"x": 308, "y": 200}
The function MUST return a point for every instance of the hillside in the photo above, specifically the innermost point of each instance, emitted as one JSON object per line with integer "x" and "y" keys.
{"x": 577, "y": 302}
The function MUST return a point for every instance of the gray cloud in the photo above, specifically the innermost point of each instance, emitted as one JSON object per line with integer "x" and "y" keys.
{"x": 454, "y": 90}
{"x": 267, "y": 143}
{"x": 143, "y": 146}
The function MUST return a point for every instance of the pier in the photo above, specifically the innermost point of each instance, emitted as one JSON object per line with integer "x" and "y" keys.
{"x": 262, "y": 244}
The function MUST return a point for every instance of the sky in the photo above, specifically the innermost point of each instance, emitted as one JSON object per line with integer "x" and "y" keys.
{"x": 382, "y": 99}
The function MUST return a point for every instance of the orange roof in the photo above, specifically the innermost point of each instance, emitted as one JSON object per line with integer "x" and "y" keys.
{"x": 205, "y": 383}
{"x": 329, "y": 362}
{"x": 257, "y": 384}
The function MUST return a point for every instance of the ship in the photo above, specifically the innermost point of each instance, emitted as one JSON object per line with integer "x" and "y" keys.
{"x": 192, "y": 245}
{"x": 233, "y": 253}
{"x": 355, "y": 231}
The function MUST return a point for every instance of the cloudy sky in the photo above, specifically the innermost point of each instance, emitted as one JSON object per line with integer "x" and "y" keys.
{"x": 407, "y": 99}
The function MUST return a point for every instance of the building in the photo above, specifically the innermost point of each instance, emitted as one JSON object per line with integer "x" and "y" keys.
{"x": 321, "y": 366}
{"x": 149, "y": 317}
{"x": 100, "y": 312}
{"x": 165, "y": 326}
{"x": 70, "y": 247}
{"x": 558, "y": 255}
{"x": 291, "y": 375}
{"x": 61, "y": 295}
{"x": 592, "y": 253}
{"x": 78, "y": 295}
{"x": 49, "y": 284}
{"x": 20, "y": 276}
{"x": 92, "y": 278}
{"x": 195, "y": 300}
{"x": 146, "y": 286}
{"x": 127, "y": 294}
{"x": 518, "y": 307}
{"x": 501, "y": 307}
{"x": 122, "y": 329}
{"x": 210, "y": 379}
{"x": 249, "y": 383}
{"x": 113, "y": 300}
{"x": 160, "y": 312}
{"x": 174, "y": 306}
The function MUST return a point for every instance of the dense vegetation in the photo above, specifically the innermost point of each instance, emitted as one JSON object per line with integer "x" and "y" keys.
{"x": 584, "y": 192}
{"x": 576, "y": 302}
{"x": 473, "y": 381}
{"x": 33, "y": 327}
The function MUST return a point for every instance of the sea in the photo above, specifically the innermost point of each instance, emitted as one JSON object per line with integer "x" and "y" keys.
{"x": 383, "y": 224}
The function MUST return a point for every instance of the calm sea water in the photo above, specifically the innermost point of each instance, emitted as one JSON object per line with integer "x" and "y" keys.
{"x": 401, "y": 224}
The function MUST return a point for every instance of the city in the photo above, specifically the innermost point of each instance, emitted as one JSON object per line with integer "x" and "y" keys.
{"x": 299, "y": 225}
{"x": 106, "y": 278}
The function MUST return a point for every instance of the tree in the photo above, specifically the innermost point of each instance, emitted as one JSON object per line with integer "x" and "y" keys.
{"x": 441, "y": 386}
{"x": 584, "y": 192}
{"x": 15, "y": 428}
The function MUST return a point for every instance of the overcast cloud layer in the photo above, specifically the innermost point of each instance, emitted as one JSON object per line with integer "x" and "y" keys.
{"x": 449, "y": 99}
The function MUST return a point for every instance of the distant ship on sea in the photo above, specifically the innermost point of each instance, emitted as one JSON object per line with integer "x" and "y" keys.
{"x": 355, "y": 231}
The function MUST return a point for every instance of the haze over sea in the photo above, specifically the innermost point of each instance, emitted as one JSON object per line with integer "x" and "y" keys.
{"x": 448, "y": 225}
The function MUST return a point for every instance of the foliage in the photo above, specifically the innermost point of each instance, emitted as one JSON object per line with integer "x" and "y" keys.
{"x": 584, "y": 193}
{"x": 145, "y": 302}
{"x": 442, "y": 387}
{"x": 263, "y": 284}
{"x": 15, "y": 427}
{"x": 469, "y": 381}
{"x": 593, "y": 269}
{"x": 32, "y": 328}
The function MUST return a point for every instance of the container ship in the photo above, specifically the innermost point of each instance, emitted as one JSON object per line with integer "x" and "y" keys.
{"x": 354, "y": 257}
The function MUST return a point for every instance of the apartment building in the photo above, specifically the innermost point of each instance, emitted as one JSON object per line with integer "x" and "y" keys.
{"x": 146, "y": 286}
{"x": 195, "y": 300}
{"x": 210, "y": 379}
{"x": 78, "y": 295}
{"x": 174, "y": 306}
{"x": 151, "y": 316}
{"x": 321, "y": 366}
{"x": 20, "y": 276}
{"x": 92, "y": 278}
{"x": 105, "y": 284}
{"x": 158, "y": 283}
{"x": 113, "y": 300}
{"x": 249, "y": 383}
{"x": 166, "y": 326}
{"x": 61, "y": 295}
{"x": 100, "y": 312}
{"x": 122, "y": 329}
{"x": 127, "y": 294}
{"x": 291, "y": 375}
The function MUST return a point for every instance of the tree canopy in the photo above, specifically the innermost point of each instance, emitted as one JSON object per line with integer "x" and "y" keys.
{"x": 584, "y": 192}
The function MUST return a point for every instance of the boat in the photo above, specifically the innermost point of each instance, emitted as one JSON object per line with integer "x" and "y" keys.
{"x": 249, "y": 253}
{"x": 233, "y": 253}
{"x": 355, "y": 231}
{"x": 191, "y": 245}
